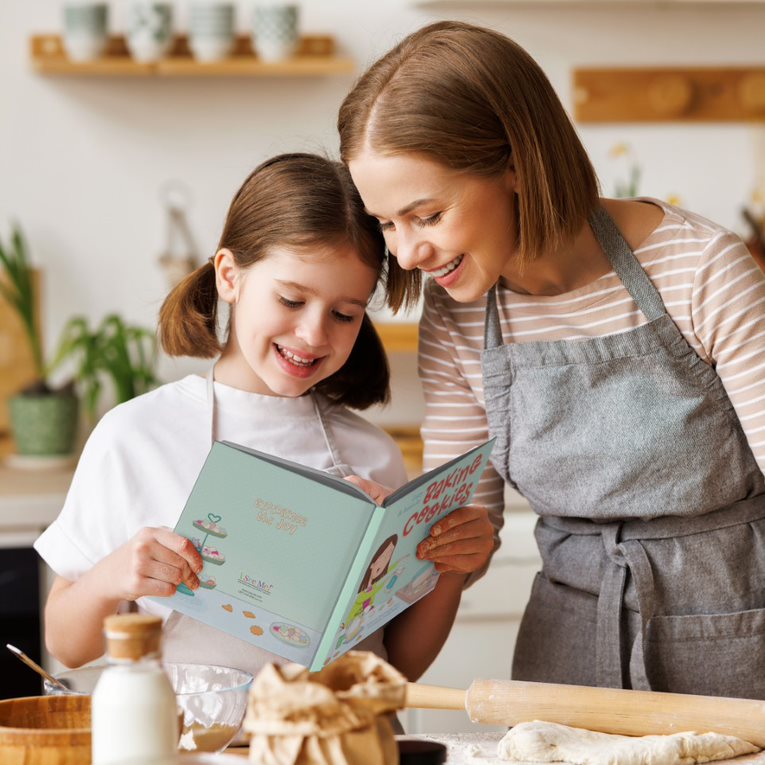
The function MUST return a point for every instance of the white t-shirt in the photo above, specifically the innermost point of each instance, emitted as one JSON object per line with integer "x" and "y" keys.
{"x": 140, "y": 463}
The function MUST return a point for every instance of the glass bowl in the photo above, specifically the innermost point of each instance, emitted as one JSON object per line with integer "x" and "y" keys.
{"x": 213, "y": 699}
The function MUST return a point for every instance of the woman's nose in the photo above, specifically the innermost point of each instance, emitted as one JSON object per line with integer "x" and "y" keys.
{"x": 410, "y": 250}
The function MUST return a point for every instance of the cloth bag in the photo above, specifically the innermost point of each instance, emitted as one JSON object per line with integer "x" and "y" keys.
{"x": 338, "y": 716}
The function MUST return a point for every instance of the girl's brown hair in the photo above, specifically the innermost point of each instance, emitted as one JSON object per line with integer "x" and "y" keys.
{"x": 475, "y": 101}
{"x": 367, "y": 580}
{"x": 292, "y": 200}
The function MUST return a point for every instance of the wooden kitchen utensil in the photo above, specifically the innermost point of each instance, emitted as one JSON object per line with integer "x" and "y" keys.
{"x": 610, "y": 710}
{"x": 45, "y": 730}
{"x": 19, "y": 654}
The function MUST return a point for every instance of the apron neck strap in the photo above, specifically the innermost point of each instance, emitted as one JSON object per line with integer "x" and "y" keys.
{"x": 627, "y": 266}
{"x": 323, "y": 424}
{"x": 492, "y": 332}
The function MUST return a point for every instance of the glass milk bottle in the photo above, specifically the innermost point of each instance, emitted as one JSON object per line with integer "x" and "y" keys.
{"x": 134, "y": 712}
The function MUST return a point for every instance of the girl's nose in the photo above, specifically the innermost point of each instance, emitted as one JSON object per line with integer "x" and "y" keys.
{"x": 312, "y": 330}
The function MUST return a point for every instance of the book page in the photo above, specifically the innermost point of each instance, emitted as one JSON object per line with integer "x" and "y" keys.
{"x": 393, "y": 577}
{"x": 277, "y": 547}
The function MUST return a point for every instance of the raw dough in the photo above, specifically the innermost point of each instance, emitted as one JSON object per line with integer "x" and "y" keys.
{"x": 549, "y": 742}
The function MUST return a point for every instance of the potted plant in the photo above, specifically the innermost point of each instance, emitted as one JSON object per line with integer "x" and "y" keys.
{"x": 44, "y": 419}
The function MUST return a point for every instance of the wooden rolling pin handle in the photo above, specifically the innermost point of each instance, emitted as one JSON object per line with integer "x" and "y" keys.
{"x": 610, "y": 710}
{"x": 434, "y": 697}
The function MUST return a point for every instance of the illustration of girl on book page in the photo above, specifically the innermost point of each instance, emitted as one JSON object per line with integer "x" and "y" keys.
{"x": 373, "y": 581}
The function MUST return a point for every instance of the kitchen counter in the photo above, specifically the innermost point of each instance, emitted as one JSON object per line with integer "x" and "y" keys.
{"x": 31, "y": 499}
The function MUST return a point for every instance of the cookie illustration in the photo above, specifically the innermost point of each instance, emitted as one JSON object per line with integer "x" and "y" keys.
{"x": 290, "y": 634}
{"x": 257, "y": 631}
{"x": 228, "y": 607}
{"x": 248, "y": 615}
{"x": 211, "y": 555}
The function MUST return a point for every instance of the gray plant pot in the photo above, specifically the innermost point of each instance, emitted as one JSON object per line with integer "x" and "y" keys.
{"x": 44, "y": 424}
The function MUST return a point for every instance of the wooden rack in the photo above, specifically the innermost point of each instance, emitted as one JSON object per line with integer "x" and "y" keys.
{"x": 316, "y": 56}
{"x": 730, "y": 94}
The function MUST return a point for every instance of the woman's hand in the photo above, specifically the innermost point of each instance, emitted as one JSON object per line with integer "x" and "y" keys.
{"x": 154, "y": 562}
{"x": 376, "y": 491}
{"x": 461, "y": 542}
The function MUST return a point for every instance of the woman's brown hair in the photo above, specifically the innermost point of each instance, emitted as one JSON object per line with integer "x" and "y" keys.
{"x": 292, "y": 200}
{"x": 474, "y": 101}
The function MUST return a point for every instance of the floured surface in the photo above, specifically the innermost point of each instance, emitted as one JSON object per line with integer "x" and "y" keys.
{"x": 540, "y": 741}
{"x": 481, "y": 749}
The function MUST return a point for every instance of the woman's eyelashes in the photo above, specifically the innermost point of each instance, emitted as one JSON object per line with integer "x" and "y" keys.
{"x": 295, "y": 304}
{"x": 430, "y": 220}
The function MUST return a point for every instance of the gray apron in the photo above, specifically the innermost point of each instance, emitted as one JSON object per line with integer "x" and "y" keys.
{"x": 189, "y": 640}
{"x": 651, "y": 504}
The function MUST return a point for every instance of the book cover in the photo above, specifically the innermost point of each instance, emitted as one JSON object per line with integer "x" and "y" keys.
{"x": 305, "y": 564}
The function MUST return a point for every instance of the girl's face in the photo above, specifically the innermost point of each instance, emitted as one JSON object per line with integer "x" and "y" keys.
{"x": 295, "y": 317}
{"x": 456, "y": 227}
{"x": 378, "y": 566}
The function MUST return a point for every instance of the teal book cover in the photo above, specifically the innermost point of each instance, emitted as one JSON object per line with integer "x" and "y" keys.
{"x": 302, "y": 563}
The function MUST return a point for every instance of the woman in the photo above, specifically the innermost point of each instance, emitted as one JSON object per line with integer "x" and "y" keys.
{"x": 615, "y": 348}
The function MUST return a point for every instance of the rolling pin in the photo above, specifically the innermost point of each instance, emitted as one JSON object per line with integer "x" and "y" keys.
{"x": 608, "y": 710}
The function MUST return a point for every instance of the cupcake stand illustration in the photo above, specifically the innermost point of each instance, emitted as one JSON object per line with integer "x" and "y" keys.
{"x": 206, "y": 545}
{"x": 210, "y": 527}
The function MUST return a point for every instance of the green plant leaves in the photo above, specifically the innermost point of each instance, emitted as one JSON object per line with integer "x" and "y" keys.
{"x": 125, "y": 354}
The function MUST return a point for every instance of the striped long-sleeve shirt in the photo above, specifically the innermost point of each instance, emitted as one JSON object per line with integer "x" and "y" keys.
{"x": 710, "y": 285}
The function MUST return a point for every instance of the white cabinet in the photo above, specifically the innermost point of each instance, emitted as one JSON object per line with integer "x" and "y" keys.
{"x": 483, "y": 637}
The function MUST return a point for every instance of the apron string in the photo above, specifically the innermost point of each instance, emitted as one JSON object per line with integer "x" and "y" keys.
{"x": 623, "y": 556}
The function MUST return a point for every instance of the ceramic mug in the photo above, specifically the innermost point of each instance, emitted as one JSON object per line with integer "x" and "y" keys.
{"x": 85, "y": 30}
{"x": 149, "y": 30}
{"x": 275, "y": 30}
{"x": 211, "y": 30}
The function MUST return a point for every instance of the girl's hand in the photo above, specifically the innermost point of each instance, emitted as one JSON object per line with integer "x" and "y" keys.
{"x": 461, "y": 542}
{"x": 376, "y": 491}
{"x": 154, "y": 562}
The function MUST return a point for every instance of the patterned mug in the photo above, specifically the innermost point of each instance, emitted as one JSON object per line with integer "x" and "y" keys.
{"x": 275, "y": 30}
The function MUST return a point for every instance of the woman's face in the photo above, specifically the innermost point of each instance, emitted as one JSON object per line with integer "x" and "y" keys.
{"x": 296, "y": 316}
{"x": 458, "y": 228}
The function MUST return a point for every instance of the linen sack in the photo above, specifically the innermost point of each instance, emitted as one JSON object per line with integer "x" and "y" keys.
{"x": 338, "y": 716}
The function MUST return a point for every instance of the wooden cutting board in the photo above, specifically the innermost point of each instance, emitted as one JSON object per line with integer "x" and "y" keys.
{"x": 16, "y": 364}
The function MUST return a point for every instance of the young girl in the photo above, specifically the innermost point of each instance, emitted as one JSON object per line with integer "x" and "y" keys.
{"x": 297, "y": 262}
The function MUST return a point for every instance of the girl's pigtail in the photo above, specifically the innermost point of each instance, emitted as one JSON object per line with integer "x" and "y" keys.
{"x": 188, "y": 318}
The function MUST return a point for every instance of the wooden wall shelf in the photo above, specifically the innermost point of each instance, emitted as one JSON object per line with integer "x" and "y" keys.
{"x": 589, "y": 4}
{"x": 730, "y": 94}
{"x": 398, "y": 337}
{"x": 316, "y": 56}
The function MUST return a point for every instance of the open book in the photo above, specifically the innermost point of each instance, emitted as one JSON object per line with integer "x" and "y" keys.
{"x": 302, "y": 563}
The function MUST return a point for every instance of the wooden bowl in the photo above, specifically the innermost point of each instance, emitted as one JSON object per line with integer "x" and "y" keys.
{"x": 45, "y": 730}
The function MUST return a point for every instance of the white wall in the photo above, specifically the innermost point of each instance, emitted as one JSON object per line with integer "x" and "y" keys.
{"x": 82, "y": 160}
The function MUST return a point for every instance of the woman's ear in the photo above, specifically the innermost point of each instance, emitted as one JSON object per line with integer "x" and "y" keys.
{"x": 227, "y": 274}
{"x": 511, "y": 178}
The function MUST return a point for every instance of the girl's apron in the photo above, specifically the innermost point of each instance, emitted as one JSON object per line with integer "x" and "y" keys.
{"x": 189, "y": 640}
{"x": 651, "y": 504}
